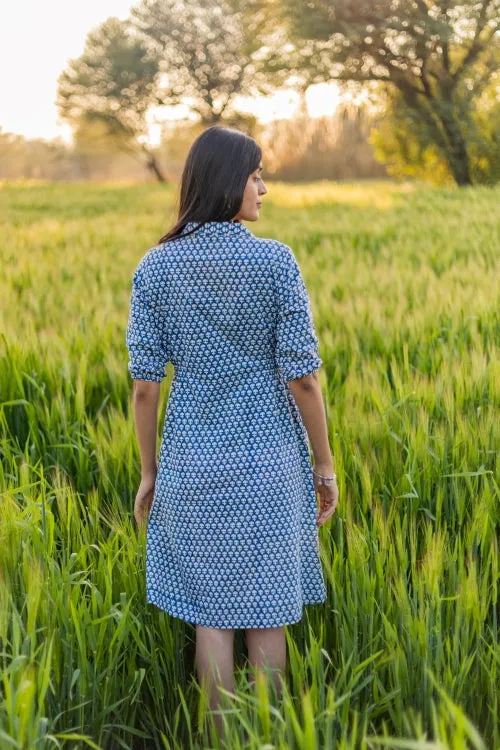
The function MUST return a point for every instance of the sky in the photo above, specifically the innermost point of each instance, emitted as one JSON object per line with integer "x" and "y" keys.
{"x": 38, "y": 37}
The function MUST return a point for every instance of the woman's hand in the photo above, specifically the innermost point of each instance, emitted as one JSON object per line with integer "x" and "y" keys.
{"x": 328, "y": 498}
{"x": 144, "y": 499}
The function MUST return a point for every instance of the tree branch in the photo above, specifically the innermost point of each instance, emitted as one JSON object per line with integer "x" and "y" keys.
{"x": 444, "y": 42}
{"x": 478, "y": 44}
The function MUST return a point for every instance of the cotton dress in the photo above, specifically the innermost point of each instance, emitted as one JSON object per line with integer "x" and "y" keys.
{"x": 232, "y": 540}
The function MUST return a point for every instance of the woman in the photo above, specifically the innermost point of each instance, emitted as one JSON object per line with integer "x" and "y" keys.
{"x": 231, "y": 511}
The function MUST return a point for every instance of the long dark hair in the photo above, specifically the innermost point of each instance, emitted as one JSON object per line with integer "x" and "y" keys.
{"x": 214, "y": 177}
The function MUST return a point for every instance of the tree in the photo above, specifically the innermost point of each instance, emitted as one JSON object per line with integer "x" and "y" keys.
{"x": 437, "y": 55}
{"x": 401, "y": 143}
{"x": 110, "y": 88}
{"x": 211, "y": 52}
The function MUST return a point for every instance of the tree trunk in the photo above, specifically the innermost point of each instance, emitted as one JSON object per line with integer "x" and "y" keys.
{"x": 456, "y": 153}
{"x": 153, "y": 165}
{"x": 443, "y": 123}
{"x": 459, "y": 165}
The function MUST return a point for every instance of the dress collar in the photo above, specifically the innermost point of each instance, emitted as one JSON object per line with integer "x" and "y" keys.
{"x": 220, "y": 227}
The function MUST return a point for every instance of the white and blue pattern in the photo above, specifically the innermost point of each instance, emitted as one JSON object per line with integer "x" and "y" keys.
{"x": 232, "y": 540}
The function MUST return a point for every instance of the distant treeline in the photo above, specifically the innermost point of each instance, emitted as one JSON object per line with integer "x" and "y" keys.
{"x": 299, "y": 149}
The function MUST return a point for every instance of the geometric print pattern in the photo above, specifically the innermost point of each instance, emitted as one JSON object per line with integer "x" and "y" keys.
{"x": 232, "y": 540}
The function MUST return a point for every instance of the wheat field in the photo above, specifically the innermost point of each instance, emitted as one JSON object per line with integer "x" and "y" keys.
{"x": 405, "y": 289}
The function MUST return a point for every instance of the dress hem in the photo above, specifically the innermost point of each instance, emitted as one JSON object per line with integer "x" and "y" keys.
{"x": 171, "y": 609}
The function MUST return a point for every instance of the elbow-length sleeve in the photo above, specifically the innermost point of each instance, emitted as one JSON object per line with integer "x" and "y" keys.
{"x": 296, "y": 339}
{"x": 145, "y": 338}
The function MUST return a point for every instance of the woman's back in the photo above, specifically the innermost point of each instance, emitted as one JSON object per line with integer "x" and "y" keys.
{"x": 216, "y": 293}
{"x": 231, "y": 312}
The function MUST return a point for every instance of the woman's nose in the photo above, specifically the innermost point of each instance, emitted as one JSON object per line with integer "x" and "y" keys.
{"x": 263, "y": 189}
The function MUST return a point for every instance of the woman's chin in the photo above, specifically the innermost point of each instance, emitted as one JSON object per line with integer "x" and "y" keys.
{"x": 250, "y": 215}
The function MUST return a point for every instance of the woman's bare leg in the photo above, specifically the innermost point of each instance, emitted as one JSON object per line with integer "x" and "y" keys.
{"x": 268, "y": 645}
{"x": 215, "y": 663}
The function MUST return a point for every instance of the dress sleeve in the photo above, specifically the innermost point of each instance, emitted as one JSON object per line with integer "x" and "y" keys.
{"x": 147, "y": 351}
{"x": 296, "y": 340}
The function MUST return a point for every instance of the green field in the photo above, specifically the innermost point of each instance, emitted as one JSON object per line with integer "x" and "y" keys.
{"x": 405, "y": 288}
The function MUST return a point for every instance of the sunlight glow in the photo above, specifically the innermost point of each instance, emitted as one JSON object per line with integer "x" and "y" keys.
{"x": 36, "y": 41}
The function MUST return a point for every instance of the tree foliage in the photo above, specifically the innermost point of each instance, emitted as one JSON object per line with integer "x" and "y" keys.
{"x": 211, "y": 52}
{"x": 437, "y": 55}
{"x": 110, "y": 88}
{"x": 169, "y": 52}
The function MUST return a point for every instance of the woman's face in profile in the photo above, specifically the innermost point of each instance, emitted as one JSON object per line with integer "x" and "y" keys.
{"x": 252, "y": 197}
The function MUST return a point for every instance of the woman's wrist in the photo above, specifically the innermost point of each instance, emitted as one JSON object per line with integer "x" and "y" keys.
{"x": 325, "y": 468}
{"x": 149, "y": 472}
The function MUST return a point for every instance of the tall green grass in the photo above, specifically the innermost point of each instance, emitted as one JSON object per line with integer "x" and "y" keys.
{"x": 404, "y": 282}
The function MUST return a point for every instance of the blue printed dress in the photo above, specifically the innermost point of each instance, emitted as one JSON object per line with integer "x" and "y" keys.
{"x": 232, "y": 540}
